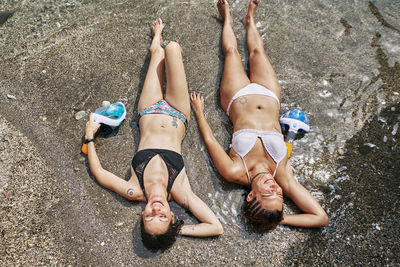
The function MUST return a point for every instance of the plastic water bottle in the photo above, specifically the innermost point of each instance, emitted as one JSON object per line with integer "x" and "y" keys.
{"x": 294, "y": 121}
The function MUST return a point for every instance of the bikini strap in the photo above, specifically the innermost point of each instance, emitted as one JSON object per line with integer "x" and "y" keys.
{"x": 247, "y": 172}
{"x": 276, "y": 167}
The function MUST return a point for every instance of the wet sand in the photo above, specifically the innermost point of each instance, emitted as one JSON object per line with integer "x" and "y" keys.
{"x": 338, "y": 61}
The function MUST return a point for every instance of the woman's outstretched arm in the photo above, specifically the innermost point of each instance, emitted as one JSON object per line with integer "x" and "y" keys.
{"x": 221, "y": 159}
{"x": 314, "y": 215}
{"x": 209, "y": 224}
{"x": 128, "y": 189}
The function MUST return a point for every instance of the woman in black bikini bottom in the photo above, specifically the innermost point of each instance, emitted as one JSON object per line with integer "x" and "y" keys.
{"x": 158, "y": 172}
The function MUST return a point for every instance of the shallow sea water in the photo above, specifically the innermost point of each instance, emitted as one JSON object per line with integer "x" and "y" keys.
{"x": 337, "y": 60}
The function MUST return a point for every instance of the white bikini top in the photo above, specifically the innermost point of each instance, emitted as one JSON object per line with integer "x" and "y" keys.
{"x": 244, "y": 140}
{"x": 252, "y": 89}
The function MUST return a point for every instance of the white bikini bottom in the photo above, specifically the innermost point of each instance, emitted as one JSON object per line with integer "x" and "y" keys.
{"x": 252, "y": 89}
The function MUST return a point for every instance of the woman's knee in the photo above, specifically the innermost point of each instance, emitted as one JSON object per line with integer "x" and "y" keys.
{"x": 256, "y": 52}
{"x": 173, "y": 47}
{"x": 231, "y": 50}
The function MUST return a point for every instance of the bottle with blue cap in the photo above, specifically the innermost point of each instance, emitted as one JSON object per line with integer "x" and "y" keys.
{"x": 294, "y": 121}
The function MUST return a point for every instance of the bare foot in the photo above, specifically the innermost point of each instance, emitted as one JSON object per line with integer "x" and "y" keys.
{"x": 223, "y": 9}
{"x": 157, "y": 30}
{"x": 251, "y": 11}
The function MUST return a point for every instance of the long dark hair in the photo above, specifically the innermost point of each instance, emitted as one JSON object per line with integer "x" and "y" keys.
{"x": 262, "y": 218}
{"x": 161, "y": 241}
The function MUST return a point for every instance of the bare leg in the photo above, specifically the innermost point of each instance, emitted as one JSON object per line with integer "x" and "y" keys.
{"x": 152, "y": 87}
{"x": 234, "y": 77}
{"x": 176, "y": 93}
{"x": 261, "y": 70}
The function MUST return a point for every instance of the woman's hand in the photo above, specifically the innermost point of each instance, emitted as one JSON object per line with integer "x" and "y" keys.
{"x": 91, "y": 127}
{"x": 197, "y": 101}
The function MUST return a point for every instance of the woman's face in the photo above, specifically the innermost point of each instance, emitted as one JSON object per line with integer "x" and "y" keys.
{"x": 157, "y": 216}
{"x": 268, "y": 193}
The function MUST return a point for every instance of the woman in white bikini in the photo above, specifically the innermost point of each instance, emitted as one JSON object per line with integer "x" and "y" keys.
{"x": 258, "y": 155}
{"x": 158, "y": 172}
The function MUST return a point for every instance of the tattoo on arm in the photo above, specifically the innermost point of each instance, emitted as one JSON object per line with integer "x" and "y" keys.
{"x": 130, "y": 192}
{"x": 175, "y": 122}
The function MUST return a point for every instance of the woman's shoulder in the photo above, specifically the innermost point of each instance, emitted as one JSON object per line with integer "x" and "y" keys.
{"x": 181, "y": 189}
{"x": 181, "y": 183}
{"x": 284, "y": 174}
{"x": 237, "y": 174}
